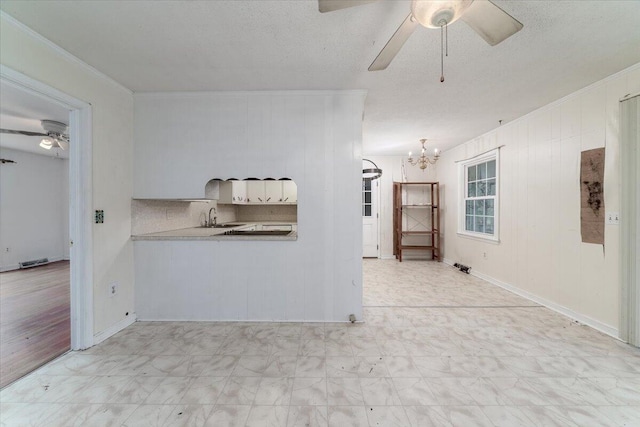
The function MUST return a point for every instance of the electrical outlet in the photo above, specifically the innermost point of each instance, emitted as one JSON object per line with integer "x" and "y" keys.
{"x": 7, "y": 250}
{"x": 113, "y": 289}
{"x": 484, "y": 255}
{"x": 613, "y": 218}
{"x": 99, "y": 217}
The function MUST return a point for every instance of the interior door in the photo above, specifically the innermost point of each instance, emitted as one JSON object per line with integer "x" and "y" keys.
{"x": 369, "y": 218}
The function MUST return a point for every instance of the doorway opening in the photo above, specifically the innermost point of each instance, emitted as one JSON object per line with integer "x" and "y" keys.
{"x": 370, "y": 218}
{"x": 78, "y": 239}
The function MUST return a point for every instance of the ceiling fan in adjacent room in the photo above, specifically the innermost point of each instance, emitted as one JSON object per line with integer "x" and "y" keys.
{"x": 488, "y": 20}
{"x": 54, "y": 134}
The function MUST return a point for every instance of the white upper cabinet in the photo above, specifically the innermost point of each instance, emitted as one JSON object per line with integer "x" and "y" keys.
{"x": 255, "y": 192}
{"x": 233, "y": 192}
{"x": 289, "y": 192}
{"x": 273, "y": 191}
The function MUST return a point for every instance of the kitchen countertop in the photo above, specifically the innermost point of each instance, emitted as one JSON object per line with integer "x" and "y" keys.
{"x": 210, "y": 233}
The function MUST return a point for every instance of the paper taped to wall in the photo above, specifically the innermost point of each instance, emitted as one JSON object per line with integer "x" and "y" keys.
{"x": 592, "y": 196}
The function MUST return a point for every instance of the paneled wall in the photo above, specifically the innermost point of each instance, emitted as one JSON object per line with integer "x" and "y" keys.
{"x": 315, "y": 138}
{"x": 540, "y": 253}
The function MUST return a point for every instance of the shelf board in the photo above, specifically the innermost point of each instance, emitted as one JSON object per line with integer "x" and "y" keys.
{"x": 418, "y": 232}
{"x": 418, "y": 247}
{"x": 416, "y": 183}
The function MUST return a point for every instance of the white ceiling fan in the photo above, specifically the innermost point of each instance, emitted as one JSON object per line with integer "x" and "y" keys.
{"x": 54, "y": 137}
{"x": 488, "y": 20}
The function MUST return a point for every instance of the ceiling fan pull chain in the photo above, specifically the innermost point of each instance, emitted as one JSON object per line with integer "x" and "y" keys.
{"x": 446, "y": 40}
{"x": 441, "y": 53}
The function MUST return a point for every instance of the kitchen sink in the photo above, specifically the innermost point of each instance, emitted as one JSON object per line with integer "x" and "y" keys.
{"x": 257, "y": 232}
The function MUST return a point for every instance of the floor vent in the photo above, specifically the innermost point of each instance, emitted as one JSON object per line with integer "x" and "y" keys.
{"x": 34, "y": 263}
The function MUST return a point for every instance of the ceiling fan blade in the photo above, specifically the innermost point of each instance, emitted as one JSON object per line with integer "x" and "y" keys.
{"x": 22, "y": 132}
{"x": 331, "y": 5}
{"x": 490, "y": 22}
{"x": 62, "y": 143}
{"x": 395, "y": 43}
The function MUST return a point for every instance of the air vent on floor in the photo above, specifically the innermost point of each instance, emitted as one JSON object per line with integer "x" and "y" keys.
{"x": 34, "y": 263}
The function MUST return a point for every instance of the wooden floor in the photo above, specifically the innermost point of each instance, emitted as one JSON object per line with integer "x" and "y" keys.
{"x": 34, "y": 318}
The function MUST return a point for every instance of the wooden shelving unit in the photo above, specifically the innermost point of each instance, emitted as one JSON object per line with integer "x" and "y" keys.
{"x": 416, "y": 218}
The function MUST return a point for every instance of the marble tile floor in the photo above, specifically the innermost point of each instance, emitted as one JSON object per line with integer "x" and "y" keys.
{"x": 436, "y": 348}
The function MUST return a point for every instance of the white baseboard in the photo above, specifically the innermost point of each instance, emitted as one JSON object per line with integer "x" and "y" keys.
{"x": 17, "y": 266}
{"x": 114, "y": 329}
{"x": 9, "y": 267}
{"x": 151, "y": 319}
{"x": 595, "y": 324}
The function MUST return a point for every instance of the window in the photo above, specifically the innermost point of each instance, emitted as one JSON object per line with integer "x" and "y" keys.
{"x": 366, "y": 197}
{"x": 479, "y": 204}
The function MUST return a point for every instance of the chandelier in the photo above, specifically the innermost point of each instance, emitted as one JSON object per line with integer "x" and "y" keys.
{"x": 423, "y": 161}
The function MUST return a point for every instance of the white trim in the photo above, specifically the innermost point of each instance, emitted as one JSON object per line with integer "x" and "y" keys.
{"x": 80, "y": 200}
{"x": 629, "y": 223}
{"x": 35, "y": 87}
{"x": 493, "y": 154}
{"x": 469, "y": 160}
{"x": 595, "y": 324}
{"x": 114, "y": 329}
{"x": 246, "y": 320}
{"x": 80, "y": 229}
{"x": 60, "y": 51}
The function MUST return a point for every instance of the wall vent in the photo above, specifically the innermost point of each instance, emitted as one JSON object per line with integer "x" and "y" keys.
{"x": 34, "y": 263}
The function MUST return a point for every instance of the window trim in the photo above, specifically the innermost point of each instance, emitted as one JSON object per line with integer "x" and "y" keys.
{"x": 462, "y": 185}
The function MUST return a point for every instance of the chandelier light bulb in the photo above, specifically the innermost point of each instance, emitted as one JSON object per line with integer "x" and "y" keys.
{"x": 423, "y": 161}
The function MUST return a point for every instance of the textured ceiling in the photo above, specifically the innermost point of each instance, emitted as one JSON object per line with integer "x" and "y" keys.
{"x": 264, "y": 45}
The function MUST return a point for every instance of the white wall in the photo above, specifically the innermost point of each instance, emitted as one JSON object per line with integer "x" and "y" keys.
{"x": 315, "y": 138}
{"x": 34, "y": 199}
{"x": 540, "y": 253}
{"x": 392, "y": 172}
{"x": 112, "y": 127}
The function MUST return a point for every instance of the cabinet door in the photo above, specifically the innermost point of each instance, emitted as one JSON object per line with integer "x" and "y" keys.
{"x": 273, "y": 191}
{"x": 255, "y": 192}
{"x": 289, "y": 192}
{"x": 239, "y": 192}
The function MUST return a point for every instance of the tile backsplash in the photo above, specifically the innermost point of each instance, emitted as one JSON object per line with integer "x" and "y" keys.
{"x": 153, "y": 216}
{"x": 285, "y": 213}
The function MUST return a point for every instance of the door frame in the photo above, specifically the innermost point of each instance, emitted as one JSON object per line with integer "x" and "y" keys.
{"x": 629, "y": 330}
{"x": 375, "y": 203}
{"x": 80, "y": 201}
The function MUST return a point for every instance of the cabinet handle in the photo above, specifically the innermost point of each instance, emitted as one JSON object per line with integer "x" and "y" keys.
{"x": 259, "y": 199}
{"x": 268, "y": 199}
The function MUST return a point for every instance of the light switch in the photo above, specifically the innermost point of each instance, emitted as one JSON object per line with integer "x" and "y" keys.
{"x": 613, "y": 218}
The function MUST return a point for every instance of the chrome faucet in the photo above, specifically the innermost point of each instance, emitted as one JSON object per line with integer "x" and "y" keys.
{"x": 215, "y": 218}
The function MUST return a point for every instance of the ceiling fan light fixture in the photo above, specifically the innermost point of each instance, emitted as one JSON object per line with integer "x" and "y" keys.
{"x": 46, "y": 143}
{"x": 438, "y": 13}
